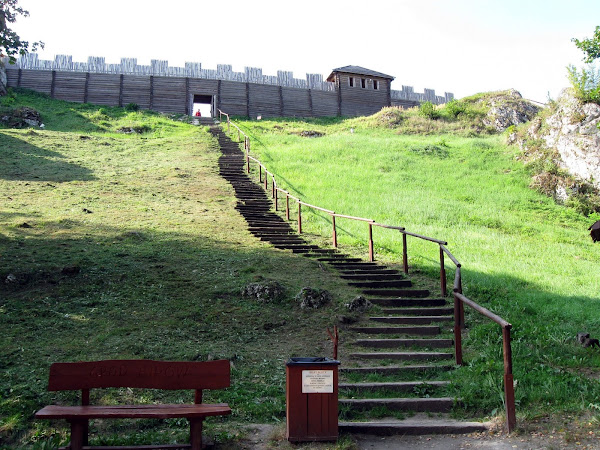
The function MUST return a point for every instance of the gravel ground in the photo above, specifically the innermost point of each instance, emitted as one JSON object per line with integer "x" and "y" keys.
{"x": 542, "y": 434}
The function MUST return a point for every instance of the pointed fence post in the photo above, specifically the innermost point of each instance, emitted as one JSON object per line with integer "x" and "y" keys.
{"x": 299, "y": 217}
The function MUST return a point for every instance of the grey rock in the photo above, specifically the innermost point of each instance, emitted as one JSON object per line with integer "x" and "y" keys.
{"x": 508, "y": 108}
{"x": 358, "y": 304}
{"x": 267, "y": 292}
{"x": 310, "y": 298}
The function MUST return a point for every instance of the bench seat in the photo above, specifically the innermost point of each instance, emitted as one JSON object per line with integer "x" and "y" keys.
{"x": 140, "y": 374}
{"x": 161, "y": 411}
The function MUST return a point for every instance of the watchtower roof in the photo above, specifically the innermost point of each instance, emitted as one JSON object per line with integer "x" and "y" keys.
{"x": 357, "y": 70}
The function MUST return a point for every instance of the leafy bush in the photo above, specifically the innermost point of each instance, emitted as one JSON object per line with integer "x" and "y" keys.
{"x": 586, "y": 83}
{"x": 428, "y": 109}
{"x": 454, "y": 108}
{"x": 132, "y": 107}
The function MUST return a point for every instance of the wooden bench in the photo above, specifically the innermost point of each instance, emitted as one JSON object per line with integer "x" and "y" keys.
{"x": 136, "y": 374}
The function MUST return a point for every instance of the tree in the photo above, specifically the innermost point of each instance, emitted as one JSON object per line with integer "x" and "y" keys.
{"x": 10, "y": 42}
{"x": 590, "y": 46}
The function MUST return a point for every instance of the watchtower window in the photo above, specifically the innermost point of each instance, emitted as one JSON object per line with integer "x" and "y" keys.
{"x": 351, "y": 81}
{"x": 363, "y": 83}
{"x": 375, "y": 84}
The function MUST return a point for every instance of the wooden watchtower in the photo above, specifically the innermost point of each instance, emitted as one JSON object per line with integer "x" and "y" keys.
{"x": 361, "y": 91}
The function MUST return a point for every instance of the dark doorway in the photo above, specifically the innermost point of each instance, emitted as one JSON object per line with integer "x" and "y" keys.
{"x": 204, "y": 104}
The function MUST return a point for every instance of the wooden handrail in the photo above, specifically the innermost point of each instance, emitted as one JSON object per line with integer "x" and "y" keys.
{"x": 361, "y": 219}
{"x": 483, "y": 311}
{"x": 318, "y": 208}
{"x": 459, "y": 299}
{"x": 391, "y": 227}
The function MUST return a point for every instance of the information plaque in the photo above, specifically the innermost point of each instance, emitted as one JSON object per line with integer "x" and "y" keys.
{"x": 317, "y": 381}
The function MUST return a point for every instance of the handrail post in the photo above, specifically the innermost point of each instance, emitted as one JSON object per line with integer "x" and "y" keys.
{"x": 462, "y": 306}
{"x": 287, "y": 206}
{"x": 404, "y": 254}
{"x": 276, "y": 194}
{"x": 335, "y": 244}
{"x": 266, "y": 181}
{"x": 247, "y": 162}
{"x": 371, "y": 252}
{"x": 509, "y": 388}
{"x": 299, "y": 217}
{"x": 443, "y": 274}
{"x": 260, "y": 173}
{"x": 457, "y": 331}
{"x": 273, "y": 187}
{"x": 228, "y": 123}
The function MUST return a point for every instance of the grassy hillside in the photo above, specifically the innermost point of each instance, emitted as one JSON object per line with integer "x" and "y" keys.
{"x": 128, "y": 246}
{"x": 524, "y": 257}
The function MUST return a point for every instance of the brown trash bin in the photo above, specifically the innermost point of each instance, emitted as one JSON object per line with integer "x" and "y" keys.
{"x": 312, "y": 399}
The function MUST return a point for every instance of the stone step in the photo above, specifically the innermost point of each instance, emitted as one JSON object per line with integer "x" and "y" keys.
{"x": 381, "y": 284}
{"x": 275, "y": 228}
{"x": 405, "y": 356}
{"x": 292, "y": 246}
{"x": 395, "y": 343}
{"x": 397, "y": 292}
{"x": 422, "y": 330}
{"x": 355, "y": 265}
{"x": 374, "y": 277}
{"x": 328, "y": 251}
{"x": 401, "y": 386}
{"x": 371, "y": 272}
{"x": 288, "y": 241}
{"x": 339, "y": 259}
{"x": 396, "y": 370}
{"x": 282, "y": 234}
{"x": 432, "y": 404}
{"x": 424, "y": 320}
{"x": 404, "y": 302}
{"x": 425, "y": 311}
{"x": 413, "y": 426}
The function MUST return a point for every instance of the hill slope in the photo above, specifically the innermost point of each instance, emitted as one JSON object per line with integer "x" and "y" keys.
{"x": 127, "y": 245}
{"x": 524, "y": 257}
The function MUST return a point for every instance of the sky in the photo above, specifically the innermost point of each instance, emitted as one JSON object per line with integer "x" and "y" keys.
{"x": 459, "y": 46}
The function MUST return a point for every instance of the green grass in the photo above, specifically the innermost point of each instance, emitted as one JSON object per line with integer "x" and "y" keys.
{"x": 162, "y": 257}
{"x": 524, "y": 257}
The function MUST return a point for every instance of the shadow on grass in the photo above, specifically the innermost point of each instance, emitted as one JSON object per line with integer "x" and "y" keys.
{"x": 22, "y": 161}
{"x": 124, "y": 293}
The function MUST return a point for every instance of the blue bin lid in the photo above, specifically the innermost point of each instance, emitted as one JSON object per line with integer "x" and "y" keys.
{"x": 296, "y": 361}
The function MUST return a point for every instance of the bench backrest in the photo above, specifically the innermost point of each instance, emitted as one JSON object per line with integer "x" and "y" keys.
{"x": 139, "y": 374}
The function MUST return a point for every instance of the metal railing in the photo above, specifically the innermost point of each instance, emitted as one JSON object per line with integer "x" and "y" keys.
{"x": 459, "y": 298}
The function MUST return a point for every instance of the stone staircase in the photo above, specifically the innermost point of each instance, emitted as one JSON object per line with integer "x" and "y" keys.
{"x": 397, "y": 366}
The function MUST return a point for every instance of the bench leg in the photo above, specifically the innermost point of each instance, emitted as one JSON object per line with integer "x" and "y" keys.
{"x": 196, "y": 433}
{"x": 79, "y": 430}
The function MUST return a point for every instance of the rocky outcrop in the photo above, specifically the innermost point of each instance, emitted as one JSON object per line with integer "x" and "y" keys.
{"x": 508, "y": 108}
{"x": 573, "y": 131}
{"x": 563, "y": 144}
